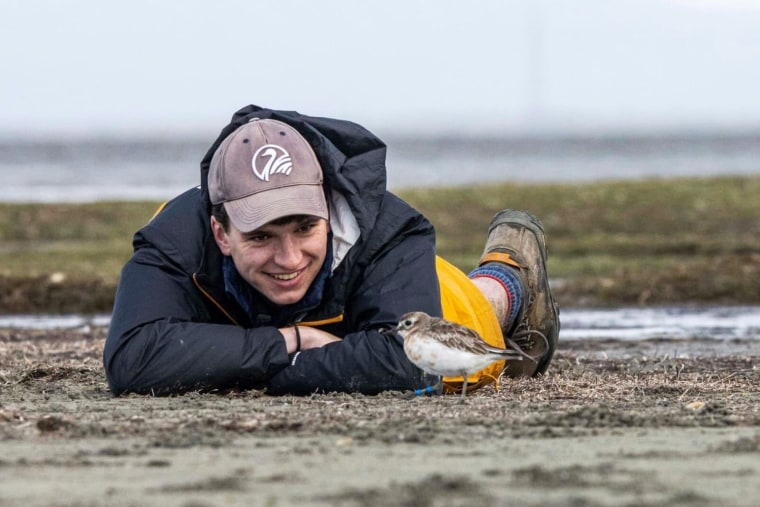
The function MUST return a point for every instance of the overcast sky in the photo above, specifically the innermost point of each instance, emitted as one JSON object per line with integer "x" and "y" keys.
{"x": 162, "y": 67}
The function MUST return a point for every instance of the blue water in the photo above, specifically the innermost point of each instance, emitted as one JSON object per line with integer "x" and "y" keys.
{"x": 89, "y": 170}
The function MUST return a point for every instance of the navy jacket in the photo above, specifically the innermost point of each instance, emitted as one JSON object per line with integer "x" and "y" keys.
{"x": 174, "y": 328}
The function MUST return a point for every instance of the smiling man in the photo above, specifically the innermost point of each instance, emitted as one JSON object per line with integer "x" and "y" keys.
{"x": 285, "y": 267}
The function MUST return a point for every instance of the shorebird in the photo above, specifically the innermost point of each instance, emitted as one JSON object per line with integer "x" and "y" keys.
{"x": 441, "y": 347}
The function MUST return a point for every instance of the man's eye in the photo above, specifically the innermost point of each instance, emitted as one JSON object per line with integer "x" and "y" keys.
{"x": 257, "y": 238}
{"x": 306, "y": 227}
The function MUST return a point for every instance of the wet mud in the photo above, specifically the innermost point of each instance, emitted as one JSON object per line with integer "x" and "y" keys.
{"x": 612, "y": 423}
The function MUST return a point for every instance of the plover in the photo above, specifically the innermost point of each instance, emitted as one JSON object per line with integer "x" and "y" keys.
{"x": 441, "y": 347}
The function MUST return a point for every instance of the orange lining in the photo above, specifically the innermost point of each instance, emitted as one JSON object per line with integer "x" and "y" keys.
{"x": 198, "y": 285}
{"x": 323, "y": 322}
{"x": 314, "y": 323}
{"x": 159, "y": 210}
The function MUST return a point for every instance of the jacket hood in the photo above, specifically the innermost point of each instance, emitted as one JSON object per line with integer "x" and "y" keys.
{"x": 352, "y": 158}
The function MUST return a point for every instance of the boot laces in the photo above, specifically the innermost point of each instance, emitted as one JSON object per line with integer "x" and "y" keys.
{"x": 524, "y": 340}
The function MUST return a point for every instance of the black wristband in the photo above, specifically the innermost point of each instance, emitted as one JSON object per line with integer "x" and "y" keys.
{"x": 298, "y": 338}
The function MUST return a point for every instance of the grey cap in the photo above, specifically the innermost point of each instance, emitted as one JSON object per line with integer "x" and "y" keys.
{"x": 263, "y": 171}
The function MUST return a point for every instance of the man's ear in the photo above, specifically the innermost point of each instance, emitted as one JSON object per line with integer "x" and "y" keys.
{"x": 220, "y": 235}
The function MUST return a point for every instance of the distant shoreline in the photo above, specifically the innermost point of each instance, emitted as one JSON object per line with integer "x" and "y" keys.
{"x": 92, "y": 170}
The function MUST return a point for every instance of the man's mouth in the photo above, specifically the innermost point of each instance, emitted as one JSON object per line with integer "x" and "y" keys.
{"x": 285, "y": 276}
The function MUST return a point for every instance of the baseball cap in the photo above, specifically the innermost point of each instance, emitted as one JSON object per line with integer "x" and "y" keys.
{"x": 263, "y": 171}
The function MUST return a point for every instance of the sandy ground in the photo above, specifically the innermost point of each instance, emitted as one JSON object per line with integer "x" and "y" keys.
{"x": 612, "y": 423}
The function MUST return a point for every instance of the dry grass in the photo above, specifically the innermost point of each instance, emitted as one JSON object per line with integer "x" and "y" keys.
{"x": 630, "y": 429}
{"x": 48, "y": 371}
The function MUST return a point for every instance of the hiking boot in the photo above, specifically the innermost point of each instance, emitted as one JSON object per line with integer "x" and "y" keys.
{"x": 517, "y": 238}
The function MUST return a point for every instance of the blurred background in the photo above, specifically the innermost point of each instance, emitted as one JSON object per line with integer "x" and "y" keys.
{"x": 103, "y": 100}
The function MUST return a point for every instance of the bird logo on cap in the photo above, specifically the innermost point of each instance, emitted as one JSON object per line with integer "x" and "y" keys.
{"x": 277, "y": 161}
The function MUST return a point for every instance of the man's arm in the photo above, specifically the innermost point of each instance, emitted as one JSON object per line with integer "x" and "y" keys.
{"x": 366, "y": 360}
{"x": 161, "y": 342}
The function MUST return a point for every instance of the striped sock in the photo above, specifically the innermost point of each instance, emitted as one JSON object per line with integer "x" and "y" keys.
{"x": 509, "y": 278}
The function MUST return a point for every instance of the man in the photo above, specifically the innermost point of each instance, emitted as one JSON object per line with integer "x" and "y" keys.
{"x": 283, "y": 268}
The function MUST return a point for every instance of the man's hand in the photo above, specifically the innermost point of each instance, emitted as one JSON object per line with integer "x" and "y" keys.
{"x": 311, "y": 338}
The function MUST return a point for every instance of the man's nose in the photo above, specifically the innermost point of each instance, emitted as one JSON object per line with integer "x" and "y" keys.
{"x": 288, "y": 254}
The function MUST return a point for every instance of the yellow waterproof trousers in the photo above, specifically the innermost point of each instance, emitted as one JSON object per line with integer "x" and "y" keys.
{"x": 463, "y": 303}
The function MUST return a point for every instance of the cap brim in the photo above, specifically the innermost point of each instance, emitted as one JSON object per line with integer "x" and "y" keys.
{"x": 249, "y": 213}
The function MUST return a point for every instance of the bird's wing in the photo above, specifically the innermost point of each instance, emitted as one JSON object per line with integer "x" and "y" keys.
{"x": 458, "y": 336}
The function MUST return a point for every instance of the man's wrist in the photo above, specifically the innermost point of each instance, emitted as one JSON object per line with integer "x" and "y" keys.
{"x": 298, "y": 338}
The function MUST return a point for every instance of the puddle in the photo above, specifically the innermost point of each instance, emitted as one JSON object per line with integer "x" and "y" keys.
{"x": 705, "y": 323}
{"x": 52, "y": 322}
{"x": 716, "y": 323}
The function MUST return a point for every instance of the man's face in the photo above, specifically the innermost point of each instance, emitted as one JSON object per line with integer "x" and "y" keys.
{"x": 280, "y": 261}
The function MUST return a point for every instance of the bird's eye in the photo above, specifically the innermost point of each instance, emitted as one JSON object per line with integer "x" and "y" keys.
{"x": 408, "y": 323}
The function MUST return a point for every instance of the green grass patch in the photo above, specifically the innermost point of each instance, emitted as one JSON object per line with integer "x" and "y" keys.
{"x": 618, "y": 242}
{"x": 88, "y": 240}
{"x": 624, "y": 221}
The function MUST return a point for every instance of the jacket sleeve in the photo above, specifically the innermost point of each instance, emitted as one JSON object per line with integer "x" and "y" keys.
{"x": 401, "y": 280}
{"x": 161, "y": 340}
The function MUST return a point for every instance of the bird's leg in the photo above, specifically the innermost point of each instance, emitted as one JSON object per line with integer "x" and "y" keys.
{"x": 464, "y": 387}
{"x": 433, "y": 389}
